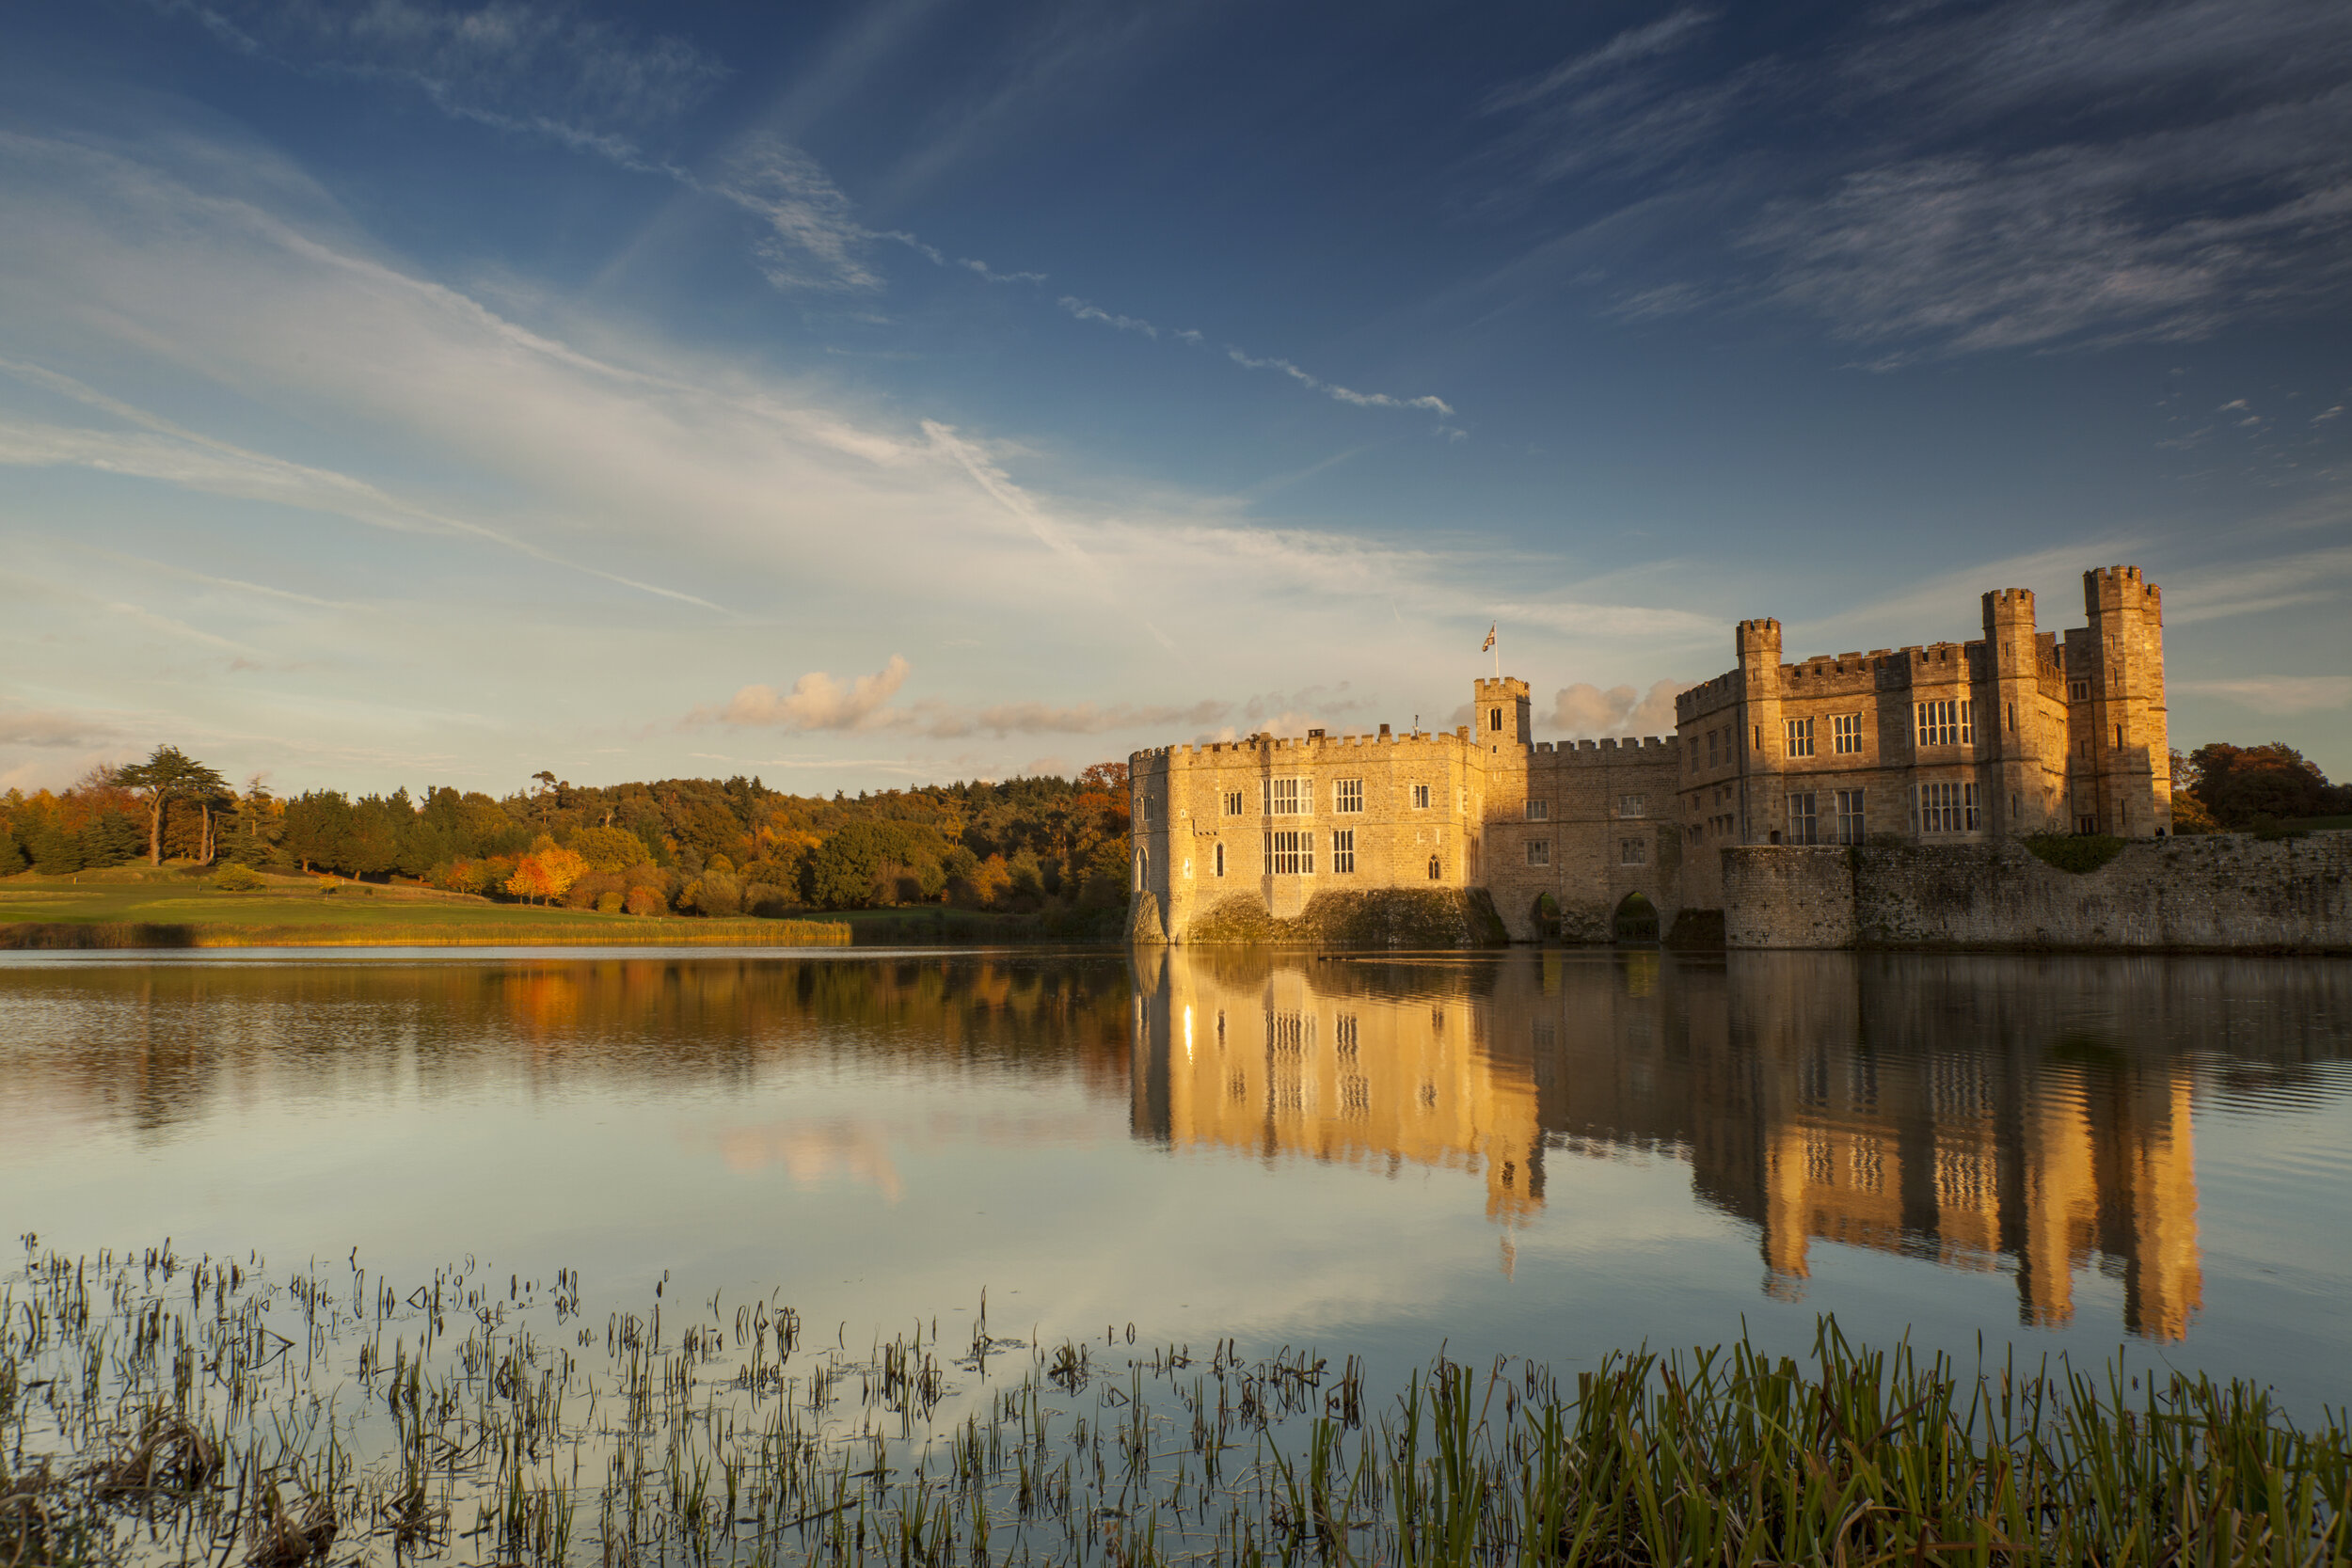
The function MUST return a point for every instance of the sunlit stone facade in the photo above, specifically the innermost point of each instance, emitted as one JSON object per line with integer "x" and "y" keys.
{"x": 2019, "y": 732}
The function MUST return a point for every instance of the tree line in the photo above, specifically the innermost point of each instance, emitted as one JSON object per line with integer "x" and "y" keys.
{"x": 2222, "y": 786}
{"x": 693, "y": 847}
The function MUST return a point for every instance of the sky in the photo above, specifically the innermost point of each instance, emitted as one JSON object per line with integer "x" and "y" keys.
{"x": 406, "y": 392}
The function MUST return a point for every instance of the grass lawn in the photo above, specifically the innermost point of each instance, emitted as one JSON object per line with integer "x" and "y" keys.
{"x": 175, "y": 910}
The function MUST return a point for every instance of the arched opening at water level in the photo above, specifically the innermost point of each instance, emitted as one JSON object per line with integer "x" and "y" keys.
{"x": 1636, "y": 921}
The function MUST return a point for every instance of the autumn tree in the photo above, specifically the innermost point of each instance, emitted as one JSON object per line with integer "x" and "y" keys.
{"x": 166, "y": 776}
{"x": 543, "y": 874}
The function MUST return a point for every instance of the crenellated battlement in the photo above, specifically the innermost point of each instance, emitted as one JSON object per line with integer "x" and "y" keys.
{"x": 1226, "y": 754}
{"x": 1648, "y": 748}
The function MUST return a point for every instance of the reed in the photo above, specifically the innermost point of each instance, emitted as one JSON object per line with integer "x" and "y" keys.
{"x": 161, "y": 1409}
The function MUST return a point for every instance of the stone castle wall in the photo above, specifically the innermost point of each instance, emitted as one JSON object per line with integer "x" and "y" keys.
{"x": 2220, "y": 892}
{"x": 1945, "y": 744}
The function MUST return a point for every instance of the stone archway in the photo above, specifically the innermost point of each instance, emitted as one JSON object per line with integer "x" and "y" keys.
{"x": 1635, "y": 924}
{"x": 1543, "y": 916}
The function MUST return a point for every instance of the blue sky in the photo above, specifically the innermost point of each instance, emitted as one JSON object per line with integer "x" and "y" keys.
{"x": 407, "y": 392}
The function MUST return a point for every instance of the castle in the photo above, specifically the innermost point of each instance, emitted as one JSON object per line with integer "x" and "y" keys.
{"x": 2020, "y": 732}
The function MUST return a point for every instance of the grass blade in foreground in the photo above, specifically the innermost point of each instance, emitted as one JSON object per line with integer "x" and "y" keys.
{"x": 158, "y": 1410}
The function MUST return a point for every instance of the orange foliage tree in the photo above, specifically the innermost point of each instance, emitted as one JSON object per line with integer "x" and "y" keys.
{"x": 547, "y": 872}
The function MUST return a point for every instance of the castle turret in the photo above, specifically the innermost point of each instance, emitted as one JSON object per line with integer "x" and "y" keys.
{"x": 1759, "y": 645}
{"x": 2013, "y": 734}
{"x": 2128, "y": 785}
{"x": 1503, "y": 715}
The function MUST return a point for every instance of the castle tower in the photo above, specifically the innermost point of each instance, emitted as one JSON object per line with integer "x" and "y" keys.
{"x": 2019, "y": 802}
{"x": 1759, "y": 645}
{"x": 1500, "y": 715}
{"x": 2128, "y": 786}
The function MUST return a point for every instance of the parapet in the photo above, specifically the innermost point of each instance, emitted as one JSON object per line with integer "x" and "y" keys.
{"x": 1757, "y": 642}
{"x": 1216, "y": 753}
{"x": 1651, "y": 748}
{"x": 2009, "y": 604}
{"x": 2116, "y": 588}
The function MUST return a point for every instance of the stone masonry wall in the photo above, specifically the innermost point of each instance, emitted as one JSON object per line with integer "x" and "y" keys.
{"x": 2222, "y": 893}
{"x": 1788, "y": 896}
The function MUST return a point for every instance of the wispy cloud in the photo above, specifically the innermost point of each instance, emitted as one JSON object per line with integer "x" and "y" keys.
{"x": 1436, "y": 405}
{"x": 506, "y": 60}
{"x": 2081, "y": 173}
{"x": 818, "y": 701}
{"x": 163, "y": 452}
{"x": 1086, "y": 312}
{"x": 2278, "y": 695}
{"x": 814, "y": 242}
{"x": 21, "y": 725}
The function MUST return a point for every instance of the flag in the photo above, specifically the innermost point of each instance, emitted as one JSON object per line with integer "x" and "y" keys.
{"x": 1488, "y": 646}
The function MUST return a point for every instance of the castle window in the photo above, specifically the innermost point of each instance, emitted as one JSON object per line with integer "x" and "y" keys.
{"x": 2086, "y": 824}
{"x": 1803, "y": 824}
{"x": 1756, "y": 737}
{"x": 1946, "y": 722}
{"x": 2119, "y": 737}
{"x": 1143, "y": 812}
{"x": 1143, "y": 866}
{"x": 1947, "y": 808}
{"x": 1633, "y": 851}
{"x": 1286, "y": 797}
{"x": 1421, "y": 797}
{"x": 1289, "y": 854}
{"x": 1434, "y": 872}
{"x": 1632, "y": 805}
{"x": 1219, "y": 860}
{"x": 1232, "y": 802}
{"x": 1343, "y": 850}
{"x": 2078, "y": 691}
{"x": 1540, "y": 851}
{"x": 1800, "y": 736}
{"x": 1347, "y": 795}
{"x": 1846, "y": 734}
{"x": 1538, "y": 811}
{"x": 2012, "y": 717}
{"x": 1848, "y": 824}
{"x": 1714, "y": 755}
{"x": 1494, "y": 718}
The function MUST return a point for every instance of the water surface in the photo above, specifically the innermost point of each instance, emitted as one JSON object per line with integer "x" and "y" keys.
{"x": 1541, "y": 1153}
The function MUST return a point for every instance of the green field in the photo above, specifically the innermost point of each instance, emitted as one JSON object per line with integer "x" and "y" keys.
{"x": 169, "y": 909}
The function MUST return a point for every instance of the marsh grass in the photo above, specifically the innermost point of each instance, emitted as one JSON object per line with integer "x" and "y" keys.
{"x": 158, "y": 1409}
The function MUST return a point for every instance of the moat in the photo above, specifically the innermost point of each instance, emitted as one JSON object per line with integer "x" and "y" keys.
{"x": 1548, "y": 1153}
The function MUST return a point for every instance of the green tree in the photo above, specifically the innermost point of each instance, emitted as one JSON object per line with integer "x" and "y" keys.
{"x": 166, "y": 776}
{"x": 318, "y": 828}
{"x": 2237, "y": 784}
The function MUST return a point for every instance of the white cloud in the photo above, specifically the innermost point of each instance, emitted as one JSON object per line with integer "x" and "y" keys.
{"x": 818, "y": 701}
{"x": 1341, "y": 394}
{"x": 814, "y": 240}
{"x": 2276, "y": 694}
{"x": 1085, "y": 312}
{"x": 1583, "y": 711}
{"x": 50, "y": 727}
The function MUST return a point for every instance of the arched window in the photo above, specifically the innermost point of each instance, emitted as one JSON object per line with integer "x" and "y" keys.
{"x": 1143, "y": 868}
{"x": 1435, "y": 871}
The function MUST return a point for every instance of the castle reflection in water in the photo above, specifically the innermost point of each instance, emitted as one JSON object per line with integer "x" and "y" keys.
{"x": 1979, "y": 1112}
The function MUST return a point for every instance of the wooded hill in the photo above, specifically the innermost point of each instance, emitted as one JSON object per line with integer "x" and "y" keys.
{"x": 684, "y": 846}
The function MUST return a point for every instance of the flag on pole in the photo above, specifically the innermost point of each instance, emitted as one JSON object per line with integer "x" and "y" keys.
{"x": 1488, "y": 645}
